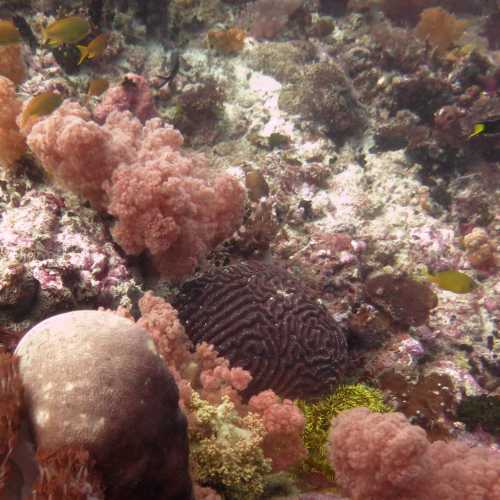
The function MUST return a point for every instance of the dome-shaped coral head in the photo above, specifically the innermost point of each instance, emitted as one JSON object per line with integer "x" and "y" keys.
{"x": 94, "y": 380}
{"x": 262, "y": 319}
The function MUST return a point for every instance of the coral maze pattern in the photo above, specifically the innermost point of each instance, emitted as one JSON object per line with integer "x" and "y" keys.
{"x": 262, "y": 319}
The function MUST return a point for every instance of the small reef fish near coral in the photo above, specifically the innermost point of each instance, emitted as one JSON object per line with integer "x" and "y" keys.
{"x": 250, "y": 250}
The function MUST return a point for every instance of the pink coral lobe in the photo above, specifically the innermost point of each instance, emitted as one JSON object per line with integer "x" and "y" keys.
{"x": 284, "y": 425}
{"x": 132, "y": 94}
{"x": 384, "y": 457}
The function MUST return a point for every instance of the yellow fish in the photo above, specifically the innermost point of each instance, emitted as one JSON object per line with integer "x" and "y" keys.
{"x": 453, "y": 281}
{"x": 70, "y": 29}
{"x": 490, "y": 126}
{"x": 41, "y": 105}
{"x": 96, "y": 88}
{"x": 9, "y": 33}
{"x": 94, "y": 49}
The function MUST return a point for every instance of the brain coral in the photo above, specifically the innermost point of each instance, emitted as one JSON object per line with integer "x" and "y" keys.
{"x": 93, "y": 379}
{"x": 261, "y": 318}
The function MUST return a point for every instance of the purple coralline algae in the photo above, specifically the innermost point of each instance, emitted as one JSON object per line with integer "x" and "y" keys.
{"x": 56, "y": 255}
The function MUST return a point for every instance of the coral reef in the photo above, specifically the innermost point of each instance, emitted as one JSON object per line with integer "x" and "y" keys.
{"x": 262, "y": 319}
{"x": 117, "y": 382}
{"x": 356, "y": 128}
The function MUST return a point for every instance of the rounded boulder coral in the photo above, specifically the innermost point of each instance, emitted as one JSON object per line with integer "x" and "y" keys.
{"x": 262, "y": 319}
{"x": 94, "y": 380}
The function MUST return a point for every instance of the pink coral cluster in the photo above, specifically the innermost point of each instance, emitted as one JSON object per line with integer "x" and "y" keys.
{"x": 12, "y": 143}
{"x": 284, "y": 425}
{"x": 201, "y": 368}
{"x": 132, "y": 94}
{"x": 209, "y": 374}
{"x": 166, "y": 203}
{"x": 384, "y": 457}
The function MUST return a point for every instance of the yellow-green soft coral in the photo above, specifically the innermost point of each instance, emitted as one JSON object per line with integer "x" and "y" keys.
{"x": 320, "y": 413}
{"x": 226, "y": 450}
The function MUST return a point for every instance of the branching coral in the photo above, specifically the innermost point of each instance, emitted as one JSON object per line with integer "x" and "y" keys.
{"x": 226, "y": 449}
{"x": 318, "y": 415}
{"x": 12, "y": 143}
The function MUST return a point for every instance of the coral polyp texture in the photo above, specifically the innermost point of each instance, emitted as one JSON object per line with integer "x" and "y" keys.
{"x": 94, "y": 380}
{"x": 263, "y": 319}
{"x": 384, "y": 457}
{"x": 12, "y": 143}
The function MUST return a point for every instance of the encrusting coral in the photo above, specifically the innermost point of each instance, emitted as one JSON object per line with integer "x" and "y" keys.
{"x": 12, "y": 143}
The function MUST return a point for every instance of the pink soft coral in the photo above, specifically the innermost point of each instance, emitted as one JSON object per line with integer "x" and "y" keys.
{"x": 132, "y": 94}
{"x": 166, "y": 203}
{"x": 383, "y": 457}
{"x": 174, "y": 207}
{"x": 12, "y": 143}
{"x": 78, "y": 153}
{"x": 201, "y": 368}
{"x": 284, "y": 425}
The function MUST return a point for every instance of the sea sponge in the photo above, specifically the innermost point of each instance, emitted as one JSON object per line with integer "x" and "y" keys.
{"x": 440, "y": 28}
{"x": 94, "y": 380}
{"x": 262, "y": 319}
{"x": 12, "y": 143}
